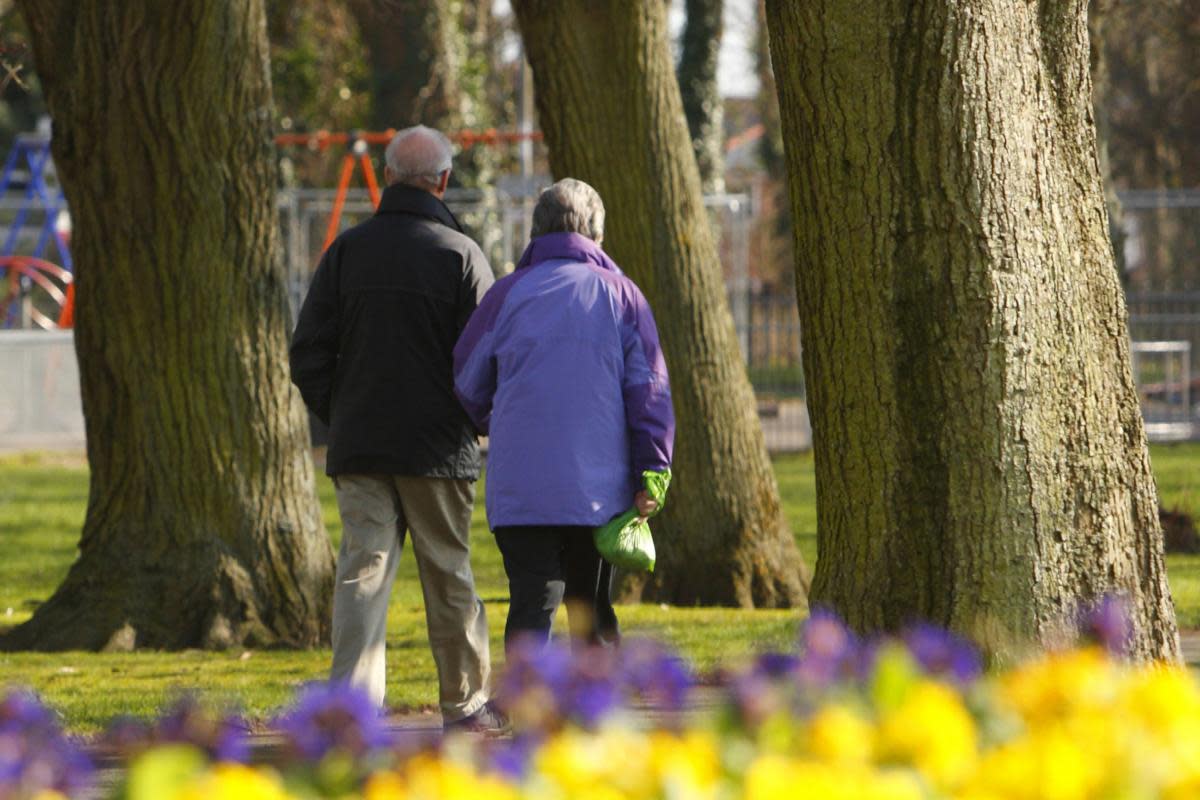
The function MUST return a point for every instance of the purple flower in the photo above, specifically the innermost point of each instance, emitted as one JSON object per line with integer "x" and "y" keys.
{"x": 546, "y": 684}
{"x": 1108, "y": 623}
{"x": 22, "y": 711}
{"x": 776, "y": 665}
{"x": 333, "y": 717}
{"x": 592, "y": 699}
{"x": 591, "y": 691}
{"x": 537, "y": 670}
{"x": 34, "y": 754}
{"x": 943, "y": 654}
{"x": 754, "y": 697}
{"x": 654, "y": 675}
{"x": 829, "y": 651}
{"x": 188, "y": 722}
{"x": 511, "y": 758}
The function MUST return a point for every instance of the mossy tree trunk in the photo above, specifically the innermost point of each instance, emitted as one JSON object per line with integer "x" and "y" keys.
{"x": 701, "y": 93}
{"x": 610, "y": 109}
{"x": 202, "y": 527}
{"x": 980, "y": 456}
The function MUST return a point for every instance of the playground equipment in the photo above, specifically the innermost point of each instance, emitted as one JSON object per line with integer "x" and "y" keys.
{"x": 358, "y": 142}
{"x": 25, "y": 269}
{"x": 43, "y": 274}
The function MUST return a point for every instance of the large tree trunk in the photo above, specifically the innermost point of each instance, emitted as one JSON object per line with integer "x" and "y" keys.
{"x": 610, "y": 110}
{"x": 414, "y": 51}
{"x": 701, "y": 93}
{"x": 202, "y": 526}
{"x": 428, "y": 61}
{"x": 980, "y": 456}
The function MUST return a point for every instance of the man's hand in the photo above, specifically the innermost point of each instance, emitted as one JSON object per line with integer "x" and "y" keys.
{"x": 644, "y": 503}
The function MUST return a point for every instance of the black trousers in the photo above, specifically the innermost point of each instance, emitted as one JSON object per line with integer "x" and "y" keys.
{"x": 547, "y": 565}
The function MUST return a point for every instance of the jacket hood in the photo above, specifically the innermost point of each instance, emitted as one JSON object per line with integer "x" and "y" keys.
{"x": 574, "y": 246}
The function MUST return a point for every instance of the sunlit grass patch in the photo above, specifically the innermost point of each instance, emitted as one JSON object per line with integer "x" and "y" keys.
{"x": 43, "y": 498}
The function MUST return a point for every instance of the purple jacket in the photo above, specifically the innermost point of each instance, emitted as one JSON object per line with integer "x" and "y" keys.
{"x": 560, "y": 366}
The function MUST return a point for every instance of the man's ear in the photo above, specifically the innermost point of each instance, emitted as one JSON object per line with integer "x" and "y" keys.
{"x": 444, "y": 181}
{"x": 388, "y": 176}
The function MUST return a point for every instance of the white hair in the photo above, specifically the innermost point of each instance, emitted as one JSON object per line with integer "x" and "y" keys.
{"x": 418, "y": 155}
{"x": 570, "y": 206}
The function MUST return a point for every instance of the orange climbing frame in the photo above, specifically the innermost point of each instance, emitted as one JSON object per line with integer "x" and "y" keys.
{"x": 356, "y": 155}
{"x": 40, "y": 272}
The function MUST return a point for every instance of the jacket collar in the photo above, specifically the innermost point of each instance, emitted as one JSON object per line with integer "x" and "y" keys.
{"x": 574, "y": 246}
{"x": 401, "y": 199}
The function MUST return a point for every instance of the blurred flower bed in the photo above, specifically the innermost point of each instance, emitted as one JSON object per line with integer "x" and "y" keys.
{"x": 907, "y": 717}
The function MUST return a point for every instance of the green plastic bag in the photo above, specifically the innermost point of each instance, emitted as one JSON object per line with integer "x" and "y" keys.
{"x": 625, "y": 541}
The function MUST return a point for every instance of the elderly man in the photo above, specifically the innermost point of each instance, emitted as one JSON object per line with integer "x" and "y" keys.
{"x": 561, "y": 365}
{"x": 372, "y": 358}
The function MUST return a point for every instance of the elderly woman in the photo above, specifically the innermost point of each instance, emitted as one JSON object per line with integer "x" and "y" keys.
{"x": 560, "y": 366}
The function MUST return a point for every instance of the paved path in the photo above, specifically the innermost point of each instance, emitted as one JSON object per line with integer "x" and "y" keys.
{"x": 1191, "y": 648}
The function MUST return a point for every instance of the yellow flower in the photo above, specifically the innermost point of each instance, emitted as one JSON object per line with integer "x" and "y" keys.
{"x": 227, "y": 781}
{"x": 931, "y": 730}
{"x": 1160, "y": 706}
{"x": 385, "y": 786}
{"x": 1049, "y": 765}
{"x": 609, "y": 763}
{"x": 1059, "y": 685}
{"x": 1160, "y": 697}
{"x": 687, "y": 766}
{"x": 427, "y": 777}
{"x": 776, "y": 777}
{"x": 839, "y": 735}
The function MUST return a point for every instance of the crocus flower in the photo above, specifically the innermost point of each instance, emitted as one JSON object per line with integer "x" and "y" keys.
{"x": 943, "y": 654}
{"x": 534, "y": 666}
{"x": 1107, "y": 622}
{"x": 777, "y": 665}
{"x": 188, "y": 722}
{"x": 653, "y": 674}
{"x": 333, "y": 717}
{"x": 513, "y": 757}
{"x": 829, "y": 651}
{"x": 35, "y": 756}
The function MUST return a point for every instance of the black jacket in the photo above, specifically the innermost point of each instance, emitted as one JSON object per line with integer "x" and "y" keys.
{"x": 372, "y": 352}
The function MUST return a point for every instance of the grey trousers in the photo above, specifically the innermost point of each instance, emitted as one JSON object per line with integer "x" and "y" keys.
{"x": 376, "y": 512}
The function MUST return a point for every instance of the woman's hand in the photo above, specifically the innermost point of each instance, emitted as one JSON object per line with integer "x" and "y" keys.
{"x": 644, "y": 503}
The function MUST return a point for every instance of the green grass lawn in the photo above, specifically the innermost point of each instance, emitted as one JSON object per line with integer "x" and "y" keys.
{"x": 42, "y": 503}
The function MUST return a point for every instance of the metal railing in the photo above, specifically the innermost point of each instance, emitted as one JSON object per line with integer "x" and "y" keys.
{"x": 1164, "y": 328}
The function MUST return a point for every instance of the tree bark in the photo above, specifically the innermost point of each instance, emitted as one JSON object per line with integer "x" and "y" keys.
{"x": 414, "y": 53}
{"x": 610, "y": 110}
{"x": 428, "y": 61}
{"x": 701, "y": 93}
{"x": 202, "y": 527}
{"x": 980, "y": 456}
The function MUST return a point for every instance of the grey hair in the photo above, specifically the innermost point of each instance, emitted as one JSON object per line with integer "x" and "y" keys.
{"x": 570, "y": 206}
{"x": 418, "y": 154}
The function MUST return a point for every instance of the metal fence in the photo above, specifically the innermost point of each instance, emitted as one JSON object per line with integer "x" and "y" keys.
{"x": 499, "y": 221}
{"x": 1164, "y": 328}
{"x": 39, "y": 391}
{"x": 39, "y": 403}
